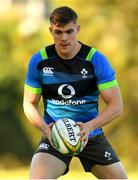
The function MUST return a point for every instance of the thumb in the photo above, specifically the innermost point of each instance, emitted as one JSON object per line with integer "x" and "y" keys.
{"x": 51, "y": 125}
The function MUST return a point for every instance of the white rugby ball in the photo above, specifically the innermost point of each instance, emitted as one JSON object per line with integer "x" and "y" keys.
{"x": 65, "y": 137}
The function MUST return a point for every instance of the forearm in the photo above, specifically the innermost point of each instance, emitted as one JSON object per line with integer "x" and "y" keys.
{"x": 34, "y": 116}
{"x": 106, "y": 116}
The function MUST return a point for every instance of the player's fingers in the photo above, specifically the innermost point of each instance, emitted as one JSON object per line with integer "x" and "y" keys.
{"x": 51, "y": 125}
{"x": 52, "y": 143}
{"x": 50, "y": 139}
{"x": 80, "y": 124}
{"x": 85, "y": 142}
{"x": 84, "y": 137}
{"x": 81, "y": 132}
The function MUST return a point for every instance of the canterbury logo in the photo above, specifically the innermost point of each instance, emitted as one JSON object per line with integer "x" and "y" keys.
{"x": 48, "y": 70}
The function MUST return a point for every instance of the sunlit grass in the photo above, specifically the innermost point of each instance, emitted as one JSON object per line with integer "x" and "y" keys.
{"x": 14, "y": 174}
{"x": 22, "y": 174}
{"x": 75, "y": 173}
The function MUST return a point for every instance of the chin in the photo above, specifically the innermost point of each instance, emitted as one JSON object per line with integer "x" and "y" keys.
{"x": 63, "y": 51}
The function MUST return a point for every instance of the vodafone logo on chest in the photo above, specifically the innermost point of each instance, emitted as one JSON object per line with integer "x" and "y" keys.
{"x": 68, "y": 88}
{"x": 67, "y": 91}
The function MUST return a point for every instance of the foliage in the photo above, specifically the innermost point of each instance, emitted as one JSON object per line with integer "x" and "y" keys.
{"x": 15, "y": 52}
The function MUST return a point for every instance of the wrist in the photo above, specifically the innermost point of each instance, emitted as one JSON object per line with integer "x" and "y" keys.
{"x": 43, "y": 127}
{"x": 89, "y": 125}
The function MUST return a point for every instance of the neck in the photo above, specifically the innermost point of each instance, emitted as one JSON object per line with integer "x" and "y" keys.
{"x": 71, "y": 54}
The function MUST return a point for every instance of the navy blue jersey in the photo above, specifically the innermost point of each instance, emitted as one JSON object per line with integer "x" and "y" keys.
{"x": 70, "y": 88}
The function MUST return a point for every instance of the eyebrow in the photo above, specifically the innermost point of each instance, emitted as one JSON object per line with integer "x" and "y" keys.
{"x": 69, "y": 30}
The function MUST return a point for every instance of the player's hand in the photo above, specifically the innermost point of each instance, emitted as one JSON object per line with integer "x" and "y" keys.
{"x": 50, "y": 137}
{"x": 47, "y": 132}
{"x": 84, "y": 132}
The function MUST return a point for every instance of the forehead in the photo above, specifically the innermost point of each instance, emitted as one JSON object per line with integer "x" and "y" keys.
{"x": 70, "y": 25}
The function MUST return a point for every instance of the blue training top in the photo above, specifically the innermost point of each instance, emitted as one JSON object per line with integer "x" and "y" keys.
{"x": 70, "y": 88}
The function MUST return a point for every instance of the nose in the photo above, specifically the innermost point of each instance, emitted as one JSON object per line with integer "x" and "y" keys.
{"x": 64, "y": 36}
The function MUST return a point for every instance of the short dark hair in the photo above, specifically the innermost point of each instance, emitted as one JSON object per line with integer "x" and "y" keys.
{"x": 63, "y": 15}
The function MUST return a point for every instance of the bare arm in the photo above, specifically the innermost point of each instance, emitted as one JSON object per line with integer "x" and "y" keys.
{"x": 113, "y": 109}
{"x": 31, "y": 110}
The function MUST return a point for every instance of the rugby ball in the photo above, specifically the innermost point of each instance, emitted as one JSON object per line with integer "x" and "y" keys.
{"x": 65, "y": 137}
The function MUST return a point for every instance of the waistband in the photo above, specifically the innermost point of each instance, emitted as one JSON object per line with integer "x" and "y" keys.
{"x": 96, "y": 136}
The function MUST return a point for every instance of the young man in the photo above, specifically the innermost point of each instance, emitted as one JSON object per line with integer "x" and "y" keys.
{"x": 70, "y": 76}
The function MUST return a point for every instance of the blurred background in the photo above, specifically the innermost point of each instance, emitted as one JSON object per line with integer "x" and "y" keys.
{"x": 109, "y": 25}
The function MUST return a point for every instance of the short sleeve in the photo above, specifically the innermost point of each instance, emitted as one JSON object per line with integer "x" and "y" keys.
{"x": 105, "y": 75}
{"x": 33, "y": 78}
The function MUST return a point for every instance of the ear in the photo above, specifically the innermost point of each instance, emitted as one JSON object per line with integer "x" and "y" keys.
{"x": 78, "y": 28}
{"x": 50, "y": 29}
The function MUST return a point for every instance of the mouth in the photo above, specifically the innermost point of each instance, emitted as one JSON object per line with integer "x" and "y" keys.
{"x": 64, "y": 45}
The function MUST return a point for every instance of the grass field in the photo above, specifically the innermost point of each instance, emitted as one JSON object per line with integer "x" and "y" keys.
{"x": 22, "y": 174}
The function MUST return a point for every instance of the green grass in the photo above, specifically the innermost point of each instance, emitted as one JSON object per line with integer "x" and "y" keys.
{"x": 22, "y": 174}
